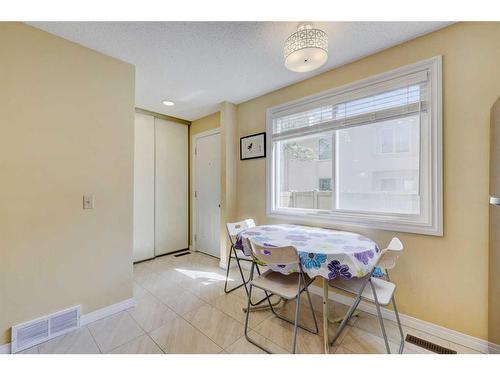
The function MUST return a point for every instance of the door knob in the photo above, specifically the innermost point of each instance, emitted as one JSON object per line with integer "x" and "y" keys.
{"x": 495, "y": 201}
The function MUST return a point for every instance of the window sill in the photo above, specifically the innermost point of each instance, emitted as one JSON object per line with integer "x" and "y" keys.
{"x": 382, "y": 222}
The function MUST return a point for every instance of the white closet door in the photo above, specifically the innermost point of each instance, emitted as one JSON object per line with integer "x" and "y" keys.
{"x": 171, "y": 187}
{"x": 144, "y": 180}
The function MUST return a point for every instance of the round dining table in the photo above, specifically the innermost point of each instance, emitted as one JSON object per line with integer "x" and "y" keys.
{"x": 327, "y": 253}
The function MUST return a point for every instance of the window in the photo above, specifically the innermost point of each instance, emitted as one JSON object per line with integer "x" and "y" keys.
{"x": 325, "y": 184}
{"x": 365, "y": 154}
{"x": 396, "y": 138}
{"x": 324, "y": 148}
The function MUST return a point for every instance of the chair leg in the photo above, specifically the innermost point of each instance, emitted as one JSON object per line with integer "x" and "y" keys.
{"x": 249, "y": 339}
{"x": 312, "y": 310}
{"x": 381, "y": 320}
{"x": 344, "y": 321}
{"x": 297, "y": 315}
{"x": 393, "y": 300}
{"x": 227, "y": 271}
{"x": 244, "y": 283}
{"x": 402, "y": 343}
{"x": 285, "y": 319}
{"x": 349, "y": 313}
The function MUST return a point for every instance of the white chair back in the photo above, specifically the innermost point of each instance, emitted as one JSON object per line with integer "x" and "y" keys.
{"x": 275, "y": 255}
{"x": 234, "y": 228}
{"x": 390, "y": 254}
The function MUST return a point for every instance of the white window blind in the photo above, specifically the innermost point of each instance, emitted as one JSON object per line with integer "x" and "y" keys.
{"x": 398, "y": 97}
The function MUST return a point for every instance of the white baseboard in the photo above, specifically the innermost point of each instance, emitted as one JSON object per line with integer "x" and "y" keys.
{"x": 106, "y": 311}
{"x": 91, "y": 317}
{"x": 5, "y": 349}
{"x": 460, "y": 338}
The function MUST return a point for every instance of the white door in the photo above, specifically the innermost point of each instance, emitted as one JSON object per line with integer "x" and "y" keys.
{"x": 144, "y": 188}
{"x": 171, "y": 187}
{"x": 207, "y": 194}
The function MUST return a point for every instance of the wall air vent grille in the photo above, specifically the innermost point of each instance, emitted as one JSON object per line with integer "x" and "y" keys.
{"x": 36, "y": 331}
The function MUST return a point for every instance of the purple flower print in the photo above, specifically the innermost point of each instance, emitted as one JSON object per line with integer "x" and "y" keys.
{"x": 269, "y": 229}
{"x": 364, "y": 256}
{"x": 335, "y": 240}
{"x": 251, "y": 233}
{"x": 269, "y": 245}
{"x": 260, "y": 238}
{"x": 239, "y": 243}
{"x": 296, "y": 237}
{"x": 337, "y": 269}
{"x": 298, "y": 232}
{"x": 353, "y": 249}
{"x": 317, "y": 234}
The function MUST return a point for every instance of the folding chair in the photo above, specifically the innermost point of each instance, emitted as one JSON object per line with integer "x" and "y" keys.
{"x": 233, "y": 229}
{"x": 288, "y": 287}
{"x": 381, "y": 291}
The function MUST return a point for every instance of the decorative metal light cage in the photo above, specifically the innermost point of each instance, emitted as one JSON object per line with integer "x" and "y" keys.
{"x": 306, "y": 49}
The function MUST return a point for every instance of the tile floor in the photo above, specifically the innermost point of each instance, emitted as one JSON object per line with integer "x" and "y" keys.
{"x": 181, "y": 308}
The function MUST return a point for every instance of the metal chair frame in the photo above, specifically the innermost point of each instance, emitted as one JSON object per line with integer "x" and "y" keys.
{"x": 393, "y": 246}
{"x": 233, "y": 250}
{"x": 302, "y": 286}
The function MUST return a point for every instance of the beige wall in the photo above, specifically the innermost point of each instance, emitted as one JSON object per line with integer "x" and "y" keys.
{"x": 66, "y": 125}
{"x": 443, "y": 280}
{"x": 198, "y": 126}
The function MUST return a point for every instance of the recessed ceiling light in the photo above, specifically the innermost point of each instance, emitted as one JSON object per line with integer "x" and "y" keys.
{"x": 168, "y": 103}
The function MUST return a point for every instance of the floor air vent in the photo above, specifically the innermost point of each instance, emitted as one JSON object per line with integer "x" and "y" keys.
{"x": 429, "y": 345}
{"x": 31, "y": 333}
{"x": 182, "y": 254}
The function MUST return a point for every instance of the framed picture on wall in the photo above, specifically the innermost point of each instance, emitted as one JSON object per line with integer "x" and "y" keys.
{"x": 253, "y": 146}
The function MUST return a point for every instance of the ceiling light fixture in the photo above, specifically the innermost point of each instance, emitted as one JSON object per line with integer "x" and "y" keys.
{"x": 306, "y": 49}
{"x": 168, "y": 103}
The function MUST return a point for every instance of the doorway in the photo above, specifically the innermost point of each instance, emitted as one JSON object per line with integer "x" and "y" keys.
{"x": 206, "y": 192}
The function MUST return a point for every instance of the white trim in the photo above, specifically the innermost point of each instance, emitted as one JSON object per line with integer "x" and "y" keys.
{"x": 194, "y": 138}
{"x": 5, "y": 349}
{"x": 431, "y": 224}
{"x": 456, "y": 337}
{"x": 90, "y": 317}
{"x": 106, "y": 311}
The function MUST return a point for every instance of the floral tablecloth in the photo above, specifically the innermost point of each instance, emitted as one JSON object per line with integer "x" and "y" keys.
{"x": 323, "y": 252}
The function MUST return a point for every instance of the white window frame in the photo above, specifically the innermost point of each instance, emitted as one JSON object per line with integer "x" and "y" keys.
{"x": 431, "y": 162}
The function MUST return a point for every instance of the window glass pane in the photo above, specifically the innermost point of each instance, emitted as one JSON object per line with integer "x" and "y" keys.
{"x": 402, "y": 137}
{"x": 386, "y": 140}
{"x": 325, "y": 148}
{"x": 378, "y": 167}
{"x": 325, "y": 184}
{"x": 302, "y": 176}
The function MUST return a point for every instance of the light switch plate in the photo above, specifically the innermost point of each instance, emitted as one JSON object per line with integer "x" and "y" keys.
{"x": 88, "y": 202}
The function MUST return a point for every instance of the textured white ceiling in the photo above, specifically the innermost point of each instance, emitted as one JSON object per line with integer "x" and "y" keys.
{"x": 201, "y": 64}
